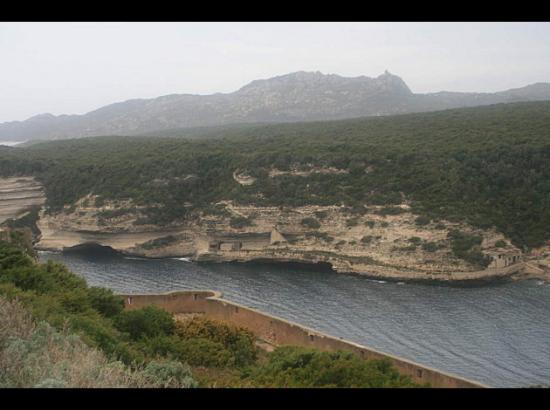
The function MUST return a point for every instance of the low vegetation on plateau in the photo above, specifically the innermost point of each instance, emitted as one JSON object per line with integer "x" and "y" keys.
{"x": 56, "y": 331}
{"x": 487, "y": 166}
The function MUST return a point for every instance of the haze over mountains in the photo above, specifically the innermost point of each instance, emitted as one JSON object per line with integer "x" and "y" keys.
{"x": 299, "y": 96}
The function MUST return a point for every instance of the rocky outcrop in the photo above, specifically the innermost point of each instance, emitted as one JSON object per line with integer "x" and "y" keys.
{"x": 372, "y": 242}
{"x": 113, "y": 223}
{"x": 18, "y": 195}
{"x": 388, "y": 242}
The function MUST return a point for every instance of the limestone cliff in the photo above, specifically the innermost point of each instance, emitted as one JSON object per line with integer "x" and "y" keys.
{"x": 18, "y": 195}
{"x": 372, "y": 242}
{"x": 389, "y": 242}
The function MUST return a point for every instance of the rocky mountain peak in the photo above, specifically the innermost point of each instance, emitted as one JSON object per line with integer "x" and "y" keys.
{"x": 42, "y": 117}
{"x": 301, "y": 80}
{"x": 297, "y": 96}
{"x": 393, "y": 83}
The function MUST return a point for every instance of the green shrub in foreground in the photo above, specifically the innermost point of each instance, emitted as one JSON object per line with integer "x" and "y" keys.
{"x": 149, "y": 321}
{"x": 105, "y": 302}
{"x": 237, "y": 340}
{"x": 303, "y": 367}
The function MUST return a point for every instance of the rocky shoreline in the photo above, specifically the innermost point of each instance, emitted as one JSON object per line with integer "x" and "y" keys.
{"x": 387, "y": 243}
{"x": 487, "y": 276}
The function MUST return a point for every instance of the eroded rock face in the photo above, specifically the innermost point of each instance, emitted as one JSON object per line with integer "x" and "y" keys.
{"x": 18, "y": 195}
{"x": 393, "y": 245}
{"x": 111, "y": 223}
{"x": 369, "y": 241}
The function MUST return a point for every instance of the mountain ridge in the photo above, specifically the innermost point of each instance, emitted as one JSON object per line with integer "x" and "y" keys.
{"x": 293, "y": 97}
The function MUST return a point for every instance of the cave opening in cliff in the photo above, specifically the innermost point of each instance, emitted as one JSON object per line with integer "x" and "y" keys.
{"x": 93, "y": 249}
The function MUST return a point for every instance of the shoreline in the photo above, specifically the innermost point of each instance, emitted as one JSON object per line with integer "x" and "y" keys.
{"x": 486, "y": 277}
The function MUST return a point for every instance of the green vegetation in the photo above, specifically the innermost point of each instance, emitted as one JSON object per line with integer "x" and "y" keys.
{"x": 28, "y": 220}
{"x": 415, "y": 240}
{"x": 322, "y": 369}
{"x": 390, "y": 210}
{"x": 238, "y": 341}
{"x": 321, "y": 214}
{"x": 319, "y": 235}
{"x": 102, "y": 300}
{"x": 466, "y": 246}
{"x": 430, "y": 246}
{"x": 311, "y": 223}
{"x": 239, "y": 222}
{"x": 485, "y": 165}
{"x": 55, "y": 331}
{"x": 422, "y": 220}
{"x": 500, "y": 244}
{"x": 99, "y": 201}
{"x": 147, "y": 322}
{"x": 367, "y": 239}
{"x": 37, "y": 355}
{"x": 216, "y": 210}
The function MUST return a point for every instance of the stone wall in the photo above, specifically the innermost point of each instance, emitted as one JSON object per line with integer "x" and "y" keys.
{"x": 282, "y": 332}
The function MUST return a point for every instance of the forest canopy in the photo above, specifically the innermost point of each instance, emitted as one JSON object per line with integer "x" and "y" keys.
{"x": 487, "y": 166}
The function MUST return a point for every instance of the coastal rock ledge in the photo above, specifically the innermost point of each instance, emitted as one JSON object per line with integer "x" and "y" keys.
{"x": 378, "y": 241}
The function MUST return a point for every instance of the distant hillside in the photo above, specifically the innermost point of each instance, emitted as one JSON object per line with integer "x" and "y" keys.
{"x": 295, "y": 97}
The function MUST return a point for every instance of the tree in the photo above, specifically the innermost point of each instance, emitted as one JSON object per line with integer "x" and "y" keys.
{"x": 149, "y": 321}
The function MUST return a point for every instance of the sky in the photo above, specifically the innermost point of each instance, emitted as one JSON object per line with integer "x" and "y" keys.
{"x": 73, "y": 68}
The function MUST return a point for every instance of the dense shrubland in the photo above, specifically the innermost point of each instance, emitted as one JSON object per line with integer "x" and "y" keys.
{"x": 303, "y": 367}
{"x": 55, "y": 331}
{"x": 483, "y": 165}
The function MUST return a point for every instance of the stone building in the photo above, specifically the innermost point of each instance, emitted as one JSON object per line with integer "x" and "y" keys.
{"x": 503, "y": 258}
{"x": 245, "y": 241}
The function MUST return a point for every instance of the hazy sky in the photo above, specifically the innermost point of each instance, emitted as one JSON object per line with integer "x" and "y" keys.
{"x": 73, "y": 68}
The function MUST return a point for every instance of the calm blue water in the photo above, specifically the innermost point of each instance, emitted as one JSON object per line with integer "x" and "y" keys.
{"x": 496, "y": 334}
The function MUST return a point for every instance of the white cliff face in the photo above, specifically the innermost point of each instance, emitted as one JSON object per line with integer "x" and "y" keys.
{"x": 393, "y": 246}
{"x": 386, "y": 246}
{"x": 18, "y": 195}
{"x": 113, "y": 223}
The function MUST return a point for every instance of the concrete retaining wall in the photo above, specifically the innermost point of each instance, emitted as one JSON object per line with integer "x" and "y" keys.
{"x": 282, "y": 332}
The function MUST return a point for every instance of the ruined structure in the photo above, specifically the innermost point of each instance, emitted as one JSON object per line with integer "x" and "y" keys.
{"x": 504, "y": 258}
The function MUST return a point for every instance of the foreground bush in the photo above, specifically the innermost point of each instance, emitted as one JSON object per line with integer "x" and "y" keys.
{"x": 54, "y": 294}
{"x": 37, "y": 355}
{"x": 237, "y": 340}
{"x": 83, "y": 339}
{"x": 195, "y": 351}
{"x": 150, "y": 321}
{"x": 105, "y": 302}
{"x": 303, "y": 367}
